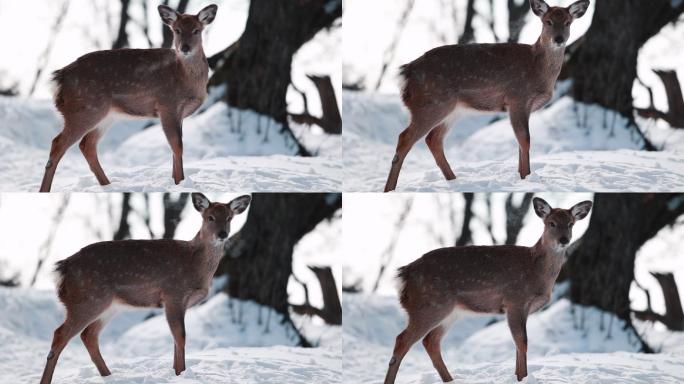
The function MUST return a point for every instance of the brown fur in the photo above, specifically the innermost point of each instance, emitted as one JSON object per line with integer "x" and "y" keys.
{"x": 455, "y": 79}
{"x": 173, "y": 274}
{"x": 169, "y": 84}
{"x": 508, "y": 279}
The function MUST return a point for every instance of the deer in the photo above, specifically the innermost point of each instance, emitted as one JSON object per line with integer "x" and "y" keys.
{"x": 450, "y": 82}
{"x": 103, "y": 278}
{"x": 100, "y": 87}
{"x": 516, "y": 280}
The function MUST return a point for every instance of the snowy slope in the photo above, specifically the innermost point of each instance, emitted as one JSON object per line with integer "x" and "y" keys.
{"x": 567, "y": 344}
{"x": 574, "y": 148}
{"x": 224, "y": 149}
{"x": 220, "y": 349}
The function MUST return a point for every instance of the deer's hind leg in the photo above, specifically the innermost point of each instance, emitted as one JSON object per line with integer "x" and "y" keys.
{"x": 435, "y": 141}
{"x": 89, "y": 336}
{"x": 78, "y": 317}
{"x": 419, "y": 325}
{"x": 423, "y": 120}
{"x": 76, "y": 125}
{"x": 431, "y": 342}
{"x": 88, "y": 147}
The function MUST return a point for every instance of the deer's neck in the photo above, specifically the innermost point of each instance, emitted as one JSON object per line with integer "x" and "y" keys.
{"x": 211, "y": 250}
{"x": 551, "y": 256}
{"x": 549, "y": 56}
{"x": 195, "y": 66}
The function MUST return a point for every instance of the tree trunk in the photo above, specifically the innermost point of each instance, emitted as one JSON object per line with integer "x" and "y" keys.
{"x": 604, "y": 66}
{"x": 331, "y": 120}
{"x": 468, "y": 35}
{"x": 515, "y": 216}
{"x": 466, "y": 236}
{"x": 124, "y": 230}
{"x": 673, "y": 318}
{"x": 121, "y": 36}
{"x": 172, "y": 213}
{"x": 259, "y": 257}
{"x": 517, "y": 11}
{"x": 257, "y": 72}
{"x": 601, "y": 268}
{"x": 331, "y": 312}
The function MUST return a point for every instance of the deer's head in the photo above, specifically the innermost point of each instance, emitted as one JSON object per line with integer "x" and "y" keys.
{"x": 187, "y": 29}
{"x": 557, "y": 20}
{"x": 558, "y": 222}
{"x": 216, "y": 217}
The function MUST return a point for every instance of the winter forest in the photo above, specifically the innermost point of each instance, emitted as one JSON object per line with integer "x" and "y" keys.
{"x": 342, "y": 191}
{"x": 284, "y": 125}
{"x": 611, "y": 124}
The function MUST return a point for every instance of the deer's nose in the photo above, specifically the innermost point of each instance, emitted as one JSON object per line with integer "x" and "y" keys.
{"x": 564, "y": 240}
{"x": 222, "y": 235}
{"x": 559, "y": 39}
{"x": 185, "y": 48}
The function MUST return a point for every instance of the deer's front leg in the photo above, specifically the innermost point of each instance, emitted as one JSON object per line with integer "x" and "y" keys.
{"x": 520, "y": 116}
{"x": 517, "y": 323}
{"x": 172, "y": 124}
{"x": 175, "y": 315}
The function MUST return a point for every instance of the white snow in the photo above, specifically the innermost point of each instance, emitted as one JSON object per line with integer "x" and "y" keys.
{"x": 224, "y": 149}
{"x": 567, "y": 344}
{"x": 228, "y": 341}
{"x": 574, "y": 147}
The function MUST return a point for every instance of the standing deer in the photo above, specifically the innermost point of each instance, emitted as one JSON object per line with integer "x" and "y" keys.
{"x": 101, "y": 86}
{"x": 485, "y": 279}
{"x": 102, "y": 277}
{"x": 453, "y": 81}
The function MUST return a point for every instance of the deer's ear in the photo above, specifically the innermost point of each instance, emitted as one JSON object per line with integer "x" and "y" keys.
{"x": 541, "y": 207}
{"x": 200, "y": 201}
{"x": 239, "y": 204}
{"x": 207, "y": 14}
{"x": 580, "y": 210}
{"x": 168, "y": 15}
{"x": 578, "y": 8}
{"x": 539, "y": 7}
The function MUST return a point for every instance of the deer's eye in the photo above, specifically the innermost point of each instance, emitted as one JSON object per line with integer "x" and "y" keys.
{"x": 177, "y": 30}
{"x": 549, "y": 23}
{"x": 570, "y": 225}
{"x": 552, "y": 224}
{"x": 567, "y": 23}
{"x": 196, "y": 31}
{"x": 211, "y": 218}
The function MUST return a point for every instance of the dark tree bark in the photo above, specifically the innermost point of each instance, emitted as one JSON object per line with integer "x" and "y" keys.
{"x": 122, "y": 36}
{"x": 259, "y": 257}
{"x": 172, "y": 213}
{"x": 124, "y": 230}
{"x": 673, "y": 318}
{"x": 601, "y": 267}
{"x": 466, "y": 236}
{"x": 331, "y": 312}
{"x": 515, "y": 216}
{"x": 603, "y": 67}
{"x": 517, "y": 11}
{"x": 257, "y": 70}
{"x": 468, "y": 35}
{"x": 167, "y": 36}
{"x": 675, "y": 113}
{"x": 331, "y": 121}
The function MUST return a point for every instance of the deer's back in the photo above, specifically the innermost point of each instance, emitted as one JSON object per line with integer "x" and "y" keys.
{"x": 480, "y": 76}
{"x": 136, "y": 272}
{"x": 478, "y": 278}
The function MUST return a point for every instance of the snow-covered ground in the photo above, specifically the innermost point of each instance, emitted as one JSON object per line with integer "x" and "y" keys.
{"x": 224, "y": 149}
{"x": 573, "y": 148}
{"x": 567, "y": 344}
{"x": 220, "y": 348}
